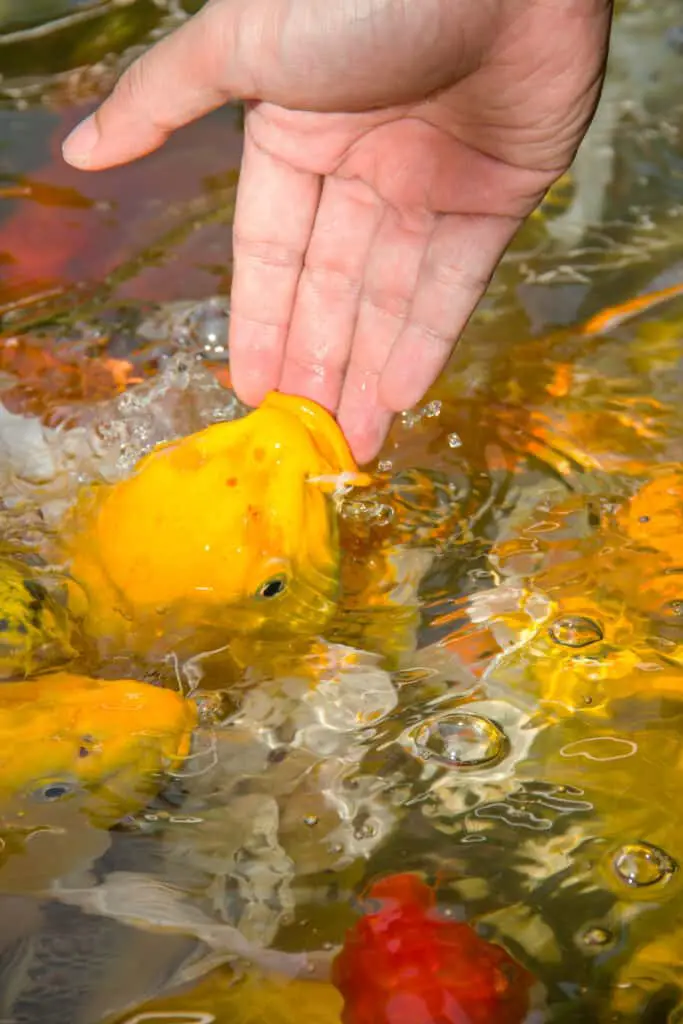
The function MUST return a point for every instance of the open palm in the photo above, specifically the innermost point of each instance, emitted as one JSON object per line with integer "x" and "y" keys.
{"x": 363, "y": 240}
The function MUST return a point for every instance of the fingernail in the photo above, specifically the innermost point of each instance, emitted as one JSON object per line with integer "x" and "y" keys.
{"x": 78, "y": 145}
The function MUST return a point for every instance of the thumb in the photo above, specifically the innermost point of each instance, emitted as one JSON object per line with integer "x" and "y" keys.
{"x": 347, "y": 55}
{"x": 187, "y": 74}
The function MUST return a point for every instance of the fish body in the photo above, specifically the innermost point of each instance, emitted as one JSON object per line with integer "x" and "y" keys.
{"x": 54, "y": 382}
{"x": 36, "y": 630}
{"x": 403, "y": 962}
{"x": 653, "y": 518}
{"x": 103, "y": 744}
{"x": 250, "y": 998}
{"x": 58, "y": 964}
{"x": 77, "y": 755}
{"x": 227, "y": 531}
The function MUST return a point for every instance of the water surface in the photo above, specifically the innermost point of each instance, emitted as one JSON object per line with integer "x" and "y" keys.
{"x": 527, "y": 752}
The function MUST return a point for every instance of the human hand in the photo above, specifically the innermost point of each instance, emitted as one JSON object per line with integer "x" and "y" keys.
{"x": 392, "y": 149}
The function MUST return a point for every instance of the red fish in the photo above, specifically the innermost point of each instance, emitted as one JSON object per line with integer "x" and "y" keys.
{"x": 404, "y": 963}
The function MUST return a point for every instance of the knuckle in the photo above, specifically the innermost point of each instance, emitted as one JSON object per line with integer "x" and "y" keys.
{"x": 135, "y": 89}
{"x": 388, "y": 303}
{"x": 433, "y": 340}
{"x": 458, "y": 277}
{"x": 266, "y": 253}
{"x": 132, "y": 84}
{"x": 327, "y": 279}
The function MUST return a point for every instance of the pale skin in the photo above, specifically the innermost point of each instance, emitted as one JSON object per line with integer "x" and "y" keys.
{"x": 392, "y": 150}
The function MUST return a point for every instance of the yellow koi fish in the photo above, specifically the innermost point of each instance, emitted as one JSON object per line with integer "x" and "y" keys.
{"x": 654, "y": 516}
{"x": 227, "y": 543}
{"x": 227, "y": 531}
{"x": 100, "y": 743}
{"x": 253, "y": 996}
{"x": 36, "y": 631}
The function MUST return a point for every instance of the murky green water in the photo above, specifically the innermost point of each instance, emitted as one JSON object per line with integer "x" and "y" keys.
{"x": 498, "y": 704}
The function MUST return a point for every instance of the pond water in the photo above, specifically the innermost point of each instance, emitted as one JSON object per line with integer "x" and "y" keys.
{"x": 497, "y": 703}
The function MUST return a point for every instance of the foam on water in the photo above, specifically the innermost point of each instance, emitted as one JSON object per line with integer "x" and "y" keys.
{"x": 43, "y": 466}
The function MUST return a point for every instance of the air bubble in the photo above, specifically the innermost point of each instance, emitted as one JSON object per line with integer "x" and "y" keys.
{"x": 575, "y": 631}
{"x": 209, "y": 329}
{"x": 383, "y": 515}
{"x": 595, "y": 937}
{"x": 373, "y": 512}
{"x": 454, "y": 441}
{"x": 407, "y": 676}
{"x": 410, "y": 419}
{"x": 641, "y": 864}
{"x": 461, "y": 740}
{"x": 432, "y": 410}
{"x": 358, "y": 511}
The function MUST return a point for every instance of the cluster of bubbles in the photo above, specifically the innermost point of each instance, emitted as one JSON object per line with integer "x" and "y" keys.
{"x": 109, "y": 437}
{"x": 373, "y": 513}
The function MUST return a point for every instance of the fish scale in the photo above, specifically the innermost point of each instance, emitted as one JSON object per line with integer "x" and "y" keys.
{"x": 67, "y": 969}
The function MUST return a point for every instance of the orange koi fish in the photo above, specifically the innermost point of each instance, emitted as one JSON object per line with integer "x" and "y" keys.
{"x": 613, "y": 316}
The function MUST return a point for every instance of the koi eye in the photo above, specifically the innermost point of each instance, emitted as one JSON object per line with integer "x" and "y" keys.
{"x": 55, "y": 791}
{"x": 272, "y": 587}
{"x": 673, "y": 611}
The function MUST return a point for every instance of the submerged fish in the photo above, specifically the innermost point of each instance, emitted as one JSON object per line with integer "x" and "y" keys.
{"x": 77, "y": 755}
{"x": 648, "y": 984}
{"x": 58, "y": 964}
{"x": 101, "y": 744}
{"x": 404, "y": 962}
{"x": 36, "y": 631}
{"x": 228, "y": 535}
{"x": 54, "y": 381}
{"x": 653, "y": 518}
{"x": 249, "y": 997}
{"x": 628, "y": 774}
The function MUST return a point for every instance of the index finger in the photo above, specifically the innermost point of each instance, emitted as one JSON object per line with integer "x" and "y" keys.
{"x": 274, "y": 217}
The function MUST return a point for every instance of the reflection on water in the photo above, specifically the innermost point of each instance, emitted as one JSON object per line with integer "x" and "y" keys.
{"x": 484, "y": 685}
